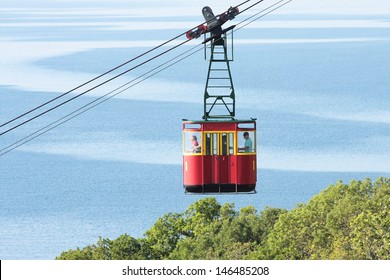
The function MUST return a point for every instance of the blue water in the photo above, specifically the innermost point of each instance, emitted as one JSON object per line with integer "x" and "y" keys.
{"x": 322, "y": 111}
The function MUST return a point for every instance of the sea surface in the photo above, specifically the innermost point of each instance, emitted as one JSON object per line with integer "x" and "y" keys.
{"x": 318, "y": 85}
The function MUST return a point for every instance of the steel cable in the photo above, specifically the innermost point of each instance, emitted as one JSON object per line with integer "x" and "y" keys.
{"x": 100, "y": 76}
{"x": 131, "y": 84}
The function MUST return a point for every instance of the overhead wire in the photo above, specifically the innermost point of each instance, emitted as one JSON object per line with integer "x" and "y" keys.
{"x": 130, "y": 84}
{"x": 98, "y": 101}
{"x": 90, "y": 81}
{"x": 107, "y": 72}
{"x": 101, "y": 75}
{"x": 94, "y": 87}
{"x": 250, "y": 7}
{"x": 262, "y": 15}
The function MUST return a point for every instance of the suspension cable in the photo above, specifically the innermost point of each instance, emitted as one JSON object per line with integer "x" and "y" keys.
{"x": 256, "y": 16}
{"x": 101, "y": 75}
{"x": 89, "y": 81}
{"x": 130, "y": 84}
{"x": 251, "y": 6}
{"x": 100, "y": 100}
{"x": 95, "y": 87}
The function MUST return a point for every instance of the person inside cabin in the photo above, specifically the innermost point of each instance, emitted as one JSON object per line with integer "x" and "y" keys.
{"x": 248, "y": 144}
{"x": 195, "y": 145}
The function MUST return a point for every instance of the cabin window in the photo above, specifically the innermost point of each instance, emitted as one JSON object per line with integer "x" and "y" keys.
{"x": 224, "y": 144}
{"x": 192, "y": 142}
{"x": 192, "y": 126}
{"x": 246, "y": 142}
{"x": 214, "y": 143}
{"x": 211, "y": 144}
{"x": 208, "y": 144}
{"x": 219, "y": 143}
{"x": 227, "y": 143}
{"x": 231, "y": 143}
{"x": 250, "y": 125}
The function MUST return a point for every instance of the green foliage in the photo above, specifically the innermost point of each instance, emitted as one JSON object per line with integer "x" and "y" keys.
{"x": 224, "y": 233}
{"x": 163, "y": 236}
{"x": 342, "y": 222}
{"x": 77, "y": 254}
{"x": 370, "y": 230}
{"x": 125, "y": 247}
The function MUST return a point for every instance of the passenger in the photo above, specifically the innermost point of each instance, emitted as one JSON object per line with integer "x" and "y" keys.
{"x": 248, "y": 144}
{"x": 195, "y": 145}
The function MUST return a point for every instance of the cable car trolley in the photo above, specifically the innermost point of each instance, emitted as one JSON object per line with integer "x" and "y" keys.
{"x": 219, "y": 151}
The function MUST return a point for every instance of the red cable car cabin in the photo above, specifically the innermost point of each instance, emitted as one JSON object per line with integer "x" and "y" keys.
{"x": 219, "y": 156}
{"x": 219, "y": 152}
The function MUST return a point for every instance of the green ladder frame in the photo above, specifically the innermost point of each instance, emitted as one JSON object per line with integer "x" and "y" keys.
{"x": 219, "y": 94}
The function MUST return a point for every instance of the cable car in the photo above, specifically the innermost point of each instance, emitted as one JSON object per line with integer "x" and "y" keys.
{"x": 219, "y": 156}
{"x": 219, "y": 151}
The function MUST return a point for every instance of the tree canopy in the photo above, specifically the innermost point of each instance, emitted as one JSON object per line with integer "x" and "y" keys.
{"x": 342, "y": 222}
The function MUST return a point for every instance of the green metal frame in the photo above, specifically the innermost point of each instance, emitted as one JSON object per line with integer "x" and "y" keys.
{"x": 219, "y": 94}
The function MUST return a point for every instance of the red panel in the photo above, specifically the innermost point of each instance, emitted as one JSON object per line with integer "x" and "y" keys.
{"x": 247, "y": 169}
{"x": 219, "y": 126}
{"x": 223, "y": 170}
{"x": 223, "y": 163}
{"x": 214, "y": 170}
{"x": 192, "y": 170}
{"x": 208, "y": 169}
{"x": 232, "y": 169}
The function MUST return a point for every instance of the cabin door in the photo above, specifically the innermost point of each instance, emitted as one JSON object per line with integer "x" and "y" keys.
{"x": 222, "y": 148}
